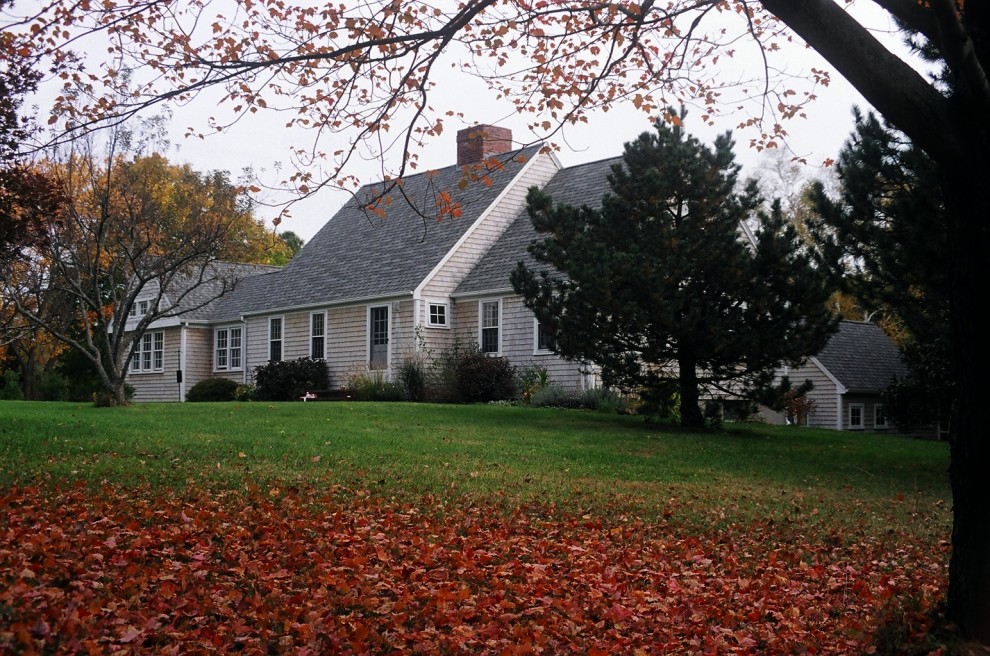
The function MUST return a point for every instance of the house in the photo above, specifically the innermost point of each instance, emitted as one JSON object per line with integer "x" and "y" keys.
{"x": 171, "y": 344}
{"x": 372, "y": 288}
{"x": 849, "y": 374}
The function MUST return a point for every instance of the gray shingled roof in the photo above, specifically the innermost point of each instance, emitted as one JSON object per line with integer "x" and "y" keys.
{"x": 862, "y": 357}
{"x": 206, "y": 297}
{"x": 584, "y": 184}
{"x": 358, "y": 255}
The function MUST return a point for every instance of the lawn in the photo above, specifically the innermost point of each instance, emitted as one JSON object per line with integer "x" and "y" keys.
{"x": 380, "y": 528}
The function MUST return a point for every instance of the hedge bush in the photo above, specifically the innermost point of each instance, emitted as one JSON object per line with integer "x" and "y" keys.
{"x": 554, "y": 396}
{"x": 288, "y": 380}
{"x": 482, "y": 378}
{"x": 212, "y": 389}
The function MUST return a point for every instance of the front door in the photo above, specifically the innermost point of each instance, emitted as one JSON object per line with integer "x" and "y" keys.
{"x": 379, "y": 337}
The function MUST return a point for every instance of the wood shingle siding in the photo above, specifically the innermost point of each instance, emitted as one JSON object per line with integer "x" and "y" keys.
{"x": 824, "y": 394}
{"x": 509, "y": 206}
{"x": 159, "y": 386}
{"x": 519, "y": 345}
{"x": 348, "y": 348}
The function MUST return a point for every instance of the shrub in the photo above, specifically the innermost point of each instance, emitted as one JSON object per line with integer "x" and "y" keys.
{"x": 533, "y": 377}
{"x": 554, "y": 396}
{"x": 441, "y": 378}
{"x": 713, "y": 414}
{"x": 663, "y": 402}
{"x": 481, "y": 378}
{"x": 602, "y": 399}
{"x": 11, "y": 390}
{"x": 212, "y": 389}
{"x": 372, "y": 386}
{"x": 244, "y": 393}
{"x": 412, "y": 376}
{"x": 104, "y": 399}
{"x": 53, "y": 386}
{"x": 797, "y": 408}
{"x": 287, "y": 380}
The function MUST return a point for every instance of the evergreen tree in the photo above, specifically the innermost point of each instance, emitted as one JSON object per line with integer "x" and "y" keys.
{"x": 885, "y": 242}
{"x": 659, "y": 287}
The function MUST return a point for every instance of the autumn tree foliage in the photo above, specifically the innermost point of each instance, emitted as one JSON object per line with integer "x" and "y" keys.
{"x": 30, "y": 199}
{"x": 25, "y": 195}
{"x": 19, "y": 77}
{"x": 661, "y": 286}
{"x": 363, "y": 75}
{"x": 128, "y": 226}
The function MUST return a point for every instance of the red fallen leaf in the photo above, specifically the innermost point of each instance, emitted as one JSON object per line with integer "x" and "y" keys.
{"x": 130, "y": 635}
{"x": 41, "y": 629}
{"x": 255, "y": 574}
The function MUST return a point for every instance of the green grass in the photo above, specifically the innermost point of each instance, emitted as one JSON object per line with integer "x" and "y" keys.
{"x": 498, "y": 455}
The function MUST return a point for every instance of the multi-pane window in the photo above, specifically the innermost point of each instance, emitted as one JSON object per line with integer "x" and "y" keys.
{"x": 228, "y": 342}
{"x": 317, "y": 335}
{"x": 545, "y": 341}
{"x": 139, "y": 309}
{"x": 879, "y": 416}
{"x": 222, "y": 349}
{"x": 438, "y": 315}
{"x": 275, "y": 339}
{"x": 378, "y": 334}
{"x": 149, "y": 353}
{"x": 158, "y": 351}
{"x": 856, "y": 415}
{"x": 489, "y": 326}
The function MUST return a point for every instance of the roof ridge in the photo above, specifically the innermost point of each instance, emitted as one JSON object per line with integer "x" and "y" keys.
{"x": 510, "y": 154}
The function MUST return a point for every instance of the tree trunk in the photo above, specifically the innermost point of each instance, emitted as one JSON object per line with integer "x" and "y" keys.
{"x": 691, "y": 417}
{"x": 969, "y": 471}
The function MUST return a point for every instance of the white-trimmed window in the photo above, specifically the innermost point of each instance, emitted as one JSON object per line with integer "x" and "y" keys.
{"x": 855, "y": 415}
{"x": 879, "y": 416}
{"x": 318, "y": 335}
{"x": 139, "y": 309}
{"x": 439, "y": 315}
{"x": 543, "y": 339}
{"x": 149, "y": 353}
{"x": 378, "y": 338}
{"x": 490, "y": 319}
{"x": 274, "y": 339}
{"x": 227, "y": 351}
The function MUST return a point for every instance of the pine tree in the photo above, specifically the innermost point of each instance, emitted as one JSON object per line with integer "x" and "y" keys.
{"x": 885, "y": 242}
{"x": 658, "y": 286}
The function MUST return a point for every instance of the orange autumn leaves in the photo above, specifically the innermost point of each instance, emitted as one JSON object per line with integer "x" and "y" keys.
{"x": 119, "y": 571}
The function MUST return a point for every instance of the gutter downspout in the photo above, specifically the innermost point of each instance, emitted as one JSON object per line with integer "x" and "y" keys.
{"x": 182, "y": 360}
{"x": 417, "y": 321}
{"x": 244, "y": 351}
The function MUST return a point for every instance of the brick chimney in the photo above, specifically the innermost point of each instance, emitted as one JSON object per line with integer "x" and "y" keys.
{"x": 480, "y": 142}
